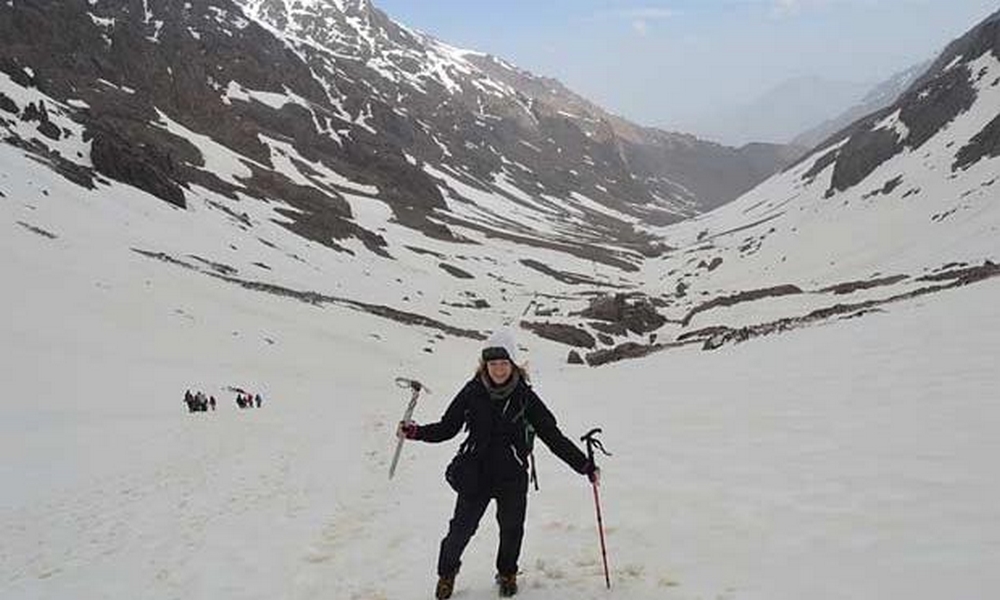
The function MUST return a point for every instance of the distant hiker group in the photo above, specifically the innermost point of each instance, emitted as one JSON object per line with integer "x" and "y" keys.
{"x": 247, "y": 400}
{"x": 200, "y": 402}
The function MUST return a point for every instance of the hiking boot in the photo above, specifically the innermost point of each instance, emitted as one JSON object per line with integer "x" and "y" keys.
{"x": 446, "y": 584}
{"x": 508, "y": 585}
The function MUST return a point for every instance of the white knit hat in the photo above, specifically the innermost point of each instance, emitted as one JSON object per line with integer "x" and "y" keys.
{"x": 501, "y": 339}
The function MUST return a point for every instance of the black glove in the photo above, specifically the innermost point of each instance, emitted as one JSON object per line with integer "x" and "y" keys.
{"x": 592, "y": 472}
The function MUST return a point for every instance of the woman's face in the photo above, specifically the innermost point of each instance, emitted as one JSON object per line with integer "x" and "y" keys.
{"x": 499, "y": 370}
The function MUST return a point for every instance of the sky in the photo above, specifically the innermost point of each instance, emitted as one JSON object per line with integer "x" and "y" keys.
{"x": 678, "y": 64}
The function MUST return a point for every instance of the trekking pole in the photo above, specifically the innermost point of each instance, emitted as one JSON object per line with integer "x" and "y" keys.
{"x": 593, "y": 442}
{"x": 415, "y": 386}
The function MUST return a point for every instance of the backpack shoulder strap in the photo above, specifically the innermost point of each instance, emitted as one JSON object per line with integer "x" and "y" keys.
{"x": 529, "y": 436}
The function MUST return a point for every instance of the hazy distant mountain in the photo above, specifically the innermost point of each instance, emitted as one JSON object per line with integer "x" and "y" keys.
{"x": 879, "y": 97}
{"x": 782, "y": 112}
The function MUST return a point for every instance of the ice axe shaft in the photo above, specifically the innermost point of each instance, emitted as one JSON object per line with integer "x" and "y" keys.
{"x": 415, "y": 387}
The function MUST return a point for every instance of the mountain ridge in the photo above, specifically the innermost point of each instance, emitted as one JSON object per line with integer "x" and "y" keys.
{"x": 373, "y": 101}
{"x": 333, "y": 197}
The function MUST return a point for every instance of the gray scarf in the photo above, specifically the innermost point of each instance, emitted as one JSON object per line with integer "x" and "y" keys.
{"x": 504, "y": 390}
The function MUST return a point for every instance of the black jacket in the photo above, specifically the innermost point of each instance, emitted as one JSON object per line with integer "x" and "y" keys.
{"x": 497, "y": 434}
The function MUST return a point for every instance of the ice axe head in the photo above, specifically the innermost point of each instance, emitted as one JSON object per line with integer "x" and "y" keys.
{"x": 413, "y": 384}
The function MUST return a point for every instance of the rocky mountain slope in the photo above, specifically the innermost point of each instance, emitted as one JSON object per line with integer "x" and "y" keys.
{"x": 901, "y": 204}
{"x": 322, "y": 154}
{"x": 355, "y": 103}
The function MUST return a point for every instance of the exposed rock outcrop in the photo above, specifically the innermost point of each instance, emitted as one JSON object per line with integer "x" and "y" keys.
{"x": 622, "y": 312}
{"x": 145, "y": 167}
{"x": 560, "y": 332}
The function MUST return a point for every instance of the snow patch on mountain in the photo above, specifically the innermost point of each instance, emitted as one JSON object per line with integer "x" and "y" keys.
{"x": 892, "y": 122}
{"x": 217, "y": 159}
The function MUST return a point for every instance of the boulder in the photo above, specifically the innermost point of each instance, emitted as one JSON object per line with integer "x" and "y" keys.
{"x": 558, "y": 332}
{"x": 140, "y": 165}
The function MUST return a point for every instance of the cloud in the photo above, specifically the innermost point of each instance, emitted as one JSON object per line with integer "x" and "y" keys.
{"x": 634, "y": 15}
{"x": 639, "y": 17}
{"x": 788, "y": 8}
{"x": 646, "y": 14}
{"x": 784, "y": 8}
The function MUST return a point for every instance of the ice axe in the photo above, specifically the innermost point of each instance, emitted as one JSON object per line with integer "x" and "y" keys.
{"x": 592, "y": 442}
{"x": 415, "y": 387}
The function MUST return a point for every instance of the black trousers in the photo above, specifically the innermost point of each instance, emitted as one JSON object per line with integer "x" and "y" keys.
{"x": 511, "y": 507}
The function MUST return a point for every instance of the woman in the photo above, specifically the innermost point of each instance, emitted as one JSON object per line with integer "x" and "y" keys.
{"x": 496, "y": 406}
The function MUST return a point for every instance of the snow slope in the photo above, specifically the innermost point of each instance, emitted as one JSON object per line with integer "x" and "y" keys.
{"x": 847, "y": 461}
{"x": 914, "y": 214}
